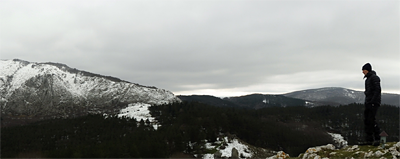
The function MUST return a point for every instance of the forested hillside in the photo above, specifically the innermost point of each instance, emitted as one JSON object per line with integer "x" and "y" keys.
{"x": 207, "y": 99}
{"x": 185, "y": 127}
{"x": 201, "y": 121}
{"x": 258, "y": 101}
{"x": 253, "y": 101}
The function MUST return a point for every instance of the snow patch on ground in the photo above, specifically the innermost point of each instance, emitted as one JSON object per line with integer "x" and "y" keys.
{"x": 227, "y": 150}
{"x": 139, "y": 111}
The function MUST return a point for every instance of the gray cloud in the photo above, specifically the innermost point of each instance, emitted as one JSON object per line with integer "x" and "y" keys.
{"x": 222, "y": 47}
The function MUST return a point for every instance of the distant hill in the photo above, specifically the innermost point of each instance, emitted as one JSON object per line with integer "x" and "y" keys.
{"x": 258, "y": 101}
{"x": 207, "y": 99}
{"x": 333, "y": 96}
{"x": 339, "y": 96}
{"x": 254, "y": 101}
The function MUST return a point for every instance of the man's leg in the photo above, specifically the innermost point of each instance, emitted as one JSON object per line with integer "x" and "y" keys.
{"x": 368, "y": 124}
{"x": 376, "y": 130}
{"x": 371, "y": 127}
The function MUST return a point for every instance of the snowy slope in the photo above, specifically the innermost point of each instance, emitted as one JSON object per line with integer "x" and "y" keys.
{"x": 25, "y": 86}
{"x": 139, "y": 111}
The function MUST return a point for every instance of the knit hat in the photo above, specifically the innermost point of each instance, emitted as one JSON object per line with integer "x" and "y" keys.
{"x": 367, "y": 67}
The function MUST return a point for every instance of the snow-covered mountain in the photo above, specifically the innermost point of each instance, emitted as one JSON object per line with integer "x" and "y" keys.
{"x": 53, "y": 89}
{"x": 339, "y": 96}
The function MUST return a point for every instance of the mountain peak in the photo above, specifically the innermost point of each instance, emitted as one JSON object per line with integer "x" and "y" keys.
{"x": 54, "y": 89}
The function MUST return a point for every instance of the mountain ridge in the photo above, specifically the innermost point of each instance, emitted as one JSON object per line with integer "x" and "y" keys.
{"x": 339, "y": 96}
{"x": 253, "y": 101}
{"x": 54, "y": 89}
{"x": 333, "y": 96}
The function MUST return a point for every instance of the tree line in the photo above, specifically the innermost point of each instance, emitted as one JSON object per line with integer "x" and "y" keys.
{"x": 186, "y": 126}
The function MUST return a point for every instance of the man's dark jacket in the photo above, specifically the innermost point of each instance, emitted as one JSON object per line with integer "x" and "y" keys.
{"x": 372, "y": 89}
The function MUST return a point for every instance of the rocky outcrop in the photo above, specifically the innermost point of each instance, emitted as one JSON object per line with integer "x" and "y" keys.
{"x": 390, "y": 150}
{"x": 51, "y": 89}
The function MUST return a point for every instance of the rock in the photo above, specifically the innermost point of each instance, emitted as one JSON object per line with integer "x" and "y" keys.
{"x": 217, "y": 155}
{"x": 235, "y": 153}
{"x": 378, "y": 153}
{"x": 280, "y": 155}
{"x": 354, "y": 151}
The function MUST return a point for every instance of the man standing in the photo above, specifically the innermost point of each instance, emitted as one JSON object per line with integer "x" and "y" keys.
{"x": 372, "y": 103}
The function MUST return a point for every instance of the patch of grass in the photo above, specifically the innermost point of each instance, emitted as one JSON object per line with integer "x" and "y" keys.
{"x": 210, "y": 151}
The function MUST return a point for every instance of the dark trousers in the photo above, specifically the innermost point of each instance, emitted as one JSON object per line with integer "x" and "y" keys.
{"x": 371, "y": 127}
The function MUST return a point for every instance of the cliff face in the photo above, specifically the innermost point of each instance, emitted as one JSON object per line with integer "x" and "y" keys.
{"x": 51, "y": 89}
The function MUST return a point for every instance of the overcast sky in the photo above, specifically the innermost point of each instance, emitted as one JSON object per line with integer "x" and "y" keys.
{"x": 221, "y": 48}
